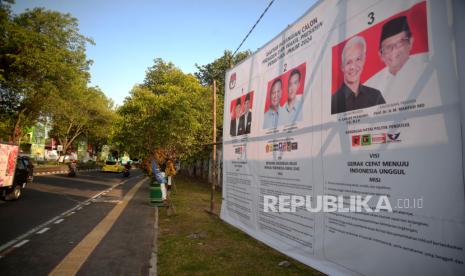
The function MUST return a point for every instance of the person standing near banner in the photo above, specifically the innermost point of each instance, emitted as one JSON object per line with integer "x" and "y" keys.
{"x": 159, "y": 177}
{"x": 170, "y": 171}
{"x": 245, "y": 120}
{"x": 272, "y": 115}
{"x": 236, "y": 128}
{"x": 402, "y": 70}
{"x": 291, "y": 111}
{"x": 352, "y": 94}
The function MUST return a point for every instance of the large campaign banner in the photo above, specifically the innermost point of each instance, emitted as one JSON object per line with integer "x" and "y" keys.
{"x": 358, "y": 104}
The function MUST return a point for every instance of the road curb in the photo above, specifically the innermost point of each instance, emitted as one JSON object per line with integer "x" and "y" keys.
{"x": 61, "y": 172}
{"x": 153, "y": 259}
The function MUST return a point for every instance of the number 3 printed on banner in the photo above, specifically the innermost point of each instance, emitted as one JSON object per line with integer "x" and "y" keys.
{"x": 371, "y": 16}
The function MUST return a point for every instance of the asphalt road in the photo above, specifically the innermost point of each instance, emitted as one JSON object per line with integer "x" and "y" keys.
{"x": 57, "y": 212}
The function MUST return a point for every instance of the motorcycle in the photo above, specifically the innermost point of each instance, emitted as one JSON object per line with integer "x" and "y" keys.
{"x": 72, "y": 169}
{"x": 72, "y": 172}
{"x": 126, "y": 172}
{"x": 127, "y": 167}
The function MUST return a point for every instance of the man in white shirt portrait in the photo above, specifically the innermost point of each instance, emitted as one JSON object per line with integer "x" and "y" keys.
{"x": 291, "y": 110}
{"x": 403, "y": 70}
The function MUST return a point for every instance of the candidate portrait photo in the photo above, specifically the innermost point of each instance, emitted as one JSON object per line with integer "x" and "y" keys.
{"x": 241, "y": 115}
{"x": 284, "y": 98}
{"x": 382, "y": 63}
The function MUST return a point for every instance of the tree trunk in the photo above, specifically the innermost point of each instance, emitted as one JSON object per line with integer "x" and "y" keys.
{"x": 17, "y": 130}
{"x": 67, "y": 141}
{"x": 65, "y": 145}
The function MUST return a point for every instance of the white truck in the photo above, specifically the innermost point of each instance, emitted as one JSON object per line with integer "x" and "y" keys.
{"x": 15, "y": 172}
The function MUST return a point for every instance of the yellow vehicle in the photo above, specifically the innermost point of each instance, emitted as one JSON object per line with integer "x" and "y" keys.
{"x": 112, "y": 166}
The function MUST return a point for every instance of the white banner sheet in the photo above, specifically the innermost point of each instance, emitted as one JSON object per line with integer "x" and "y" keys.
{"x": 356, "y": 98}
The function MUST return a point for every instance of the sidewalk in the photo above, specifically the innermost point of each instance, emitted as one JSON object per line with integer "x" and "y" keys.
{"x": 126, "y": 249}
{"x": 120, "y": 243}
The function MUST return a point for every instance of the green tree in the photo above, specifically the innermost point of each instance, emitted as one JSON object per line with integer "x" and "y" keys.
{"x": 169, "y": 111}
{"x": 83, "y": 111}
{"x": 42, "y": 56}
{"x": 163, "y": 76}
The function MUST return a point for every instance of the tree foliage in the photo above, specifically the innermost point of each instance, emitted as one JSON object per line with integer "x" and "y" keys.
{"x": 42, "y": 57}
{"x": 170, "y": 111}
{"x": 216, "y": 70}
{"x": 82, "y": 111}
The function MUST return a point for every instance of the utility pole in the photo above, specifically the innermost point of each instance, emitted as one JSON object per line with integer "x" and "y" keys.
{"x": 212, "y": 199}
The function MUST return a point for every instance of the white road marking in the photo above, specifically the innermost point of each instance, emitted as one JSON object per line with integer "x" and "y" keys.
{"x": 59, "y": 221}
{"x": 43, "y": 230}
{"x": 21, "y": 243}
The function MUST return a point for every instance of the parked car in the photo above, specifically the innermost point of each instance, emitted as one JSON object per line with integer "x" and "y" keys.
{"x": 112, "y": 166}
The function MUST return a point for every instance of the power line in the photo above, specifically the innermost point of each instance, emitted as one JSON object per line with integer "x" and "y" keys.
{"x": 260, "y": 18}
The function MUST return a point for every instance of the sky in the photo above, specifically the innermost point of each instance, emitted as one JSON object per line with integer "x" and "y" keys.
{"x": 129, "y": 35}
